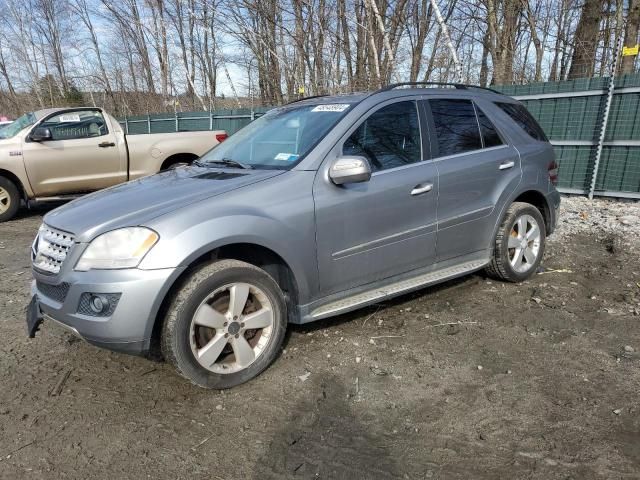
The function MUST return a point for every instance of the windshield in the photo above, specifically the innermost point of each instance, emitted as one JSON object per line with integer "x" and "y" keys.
{"x": 14, "y": 128}
{"x": 280, "y": 138}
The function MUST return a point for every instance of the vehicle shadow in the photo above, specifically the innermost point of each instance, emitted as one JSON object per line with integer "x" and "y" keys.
{"x": 323, "y": 437}
{"x": 35, "y": 211}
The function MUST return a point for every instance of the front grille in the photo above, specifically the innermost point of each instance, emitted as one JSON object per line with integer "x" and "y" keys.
{"x": 51, "y": 249}
{"x": 54, "y": 292}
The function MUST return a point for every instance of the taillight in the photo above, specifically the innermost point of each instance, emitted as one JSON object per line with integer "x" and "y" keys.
{"x": 221, "y": 137}
{"x": 553, "y": 172}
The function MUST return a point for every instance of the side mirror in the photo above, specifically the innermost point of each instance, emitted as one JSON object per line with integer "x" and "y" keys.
{"x": 350, "y": 170}
{"x": 41, "y": 134}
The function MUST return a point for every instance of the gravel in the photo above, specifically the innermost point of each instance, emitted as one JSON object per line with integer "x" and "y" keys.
{"x": 599, "y": 216}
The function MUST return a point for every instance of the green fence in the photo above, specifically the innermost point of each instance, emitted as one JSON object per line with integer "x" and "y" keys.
{"x": 229, "y": 120}
{"x": 572, "y": 113}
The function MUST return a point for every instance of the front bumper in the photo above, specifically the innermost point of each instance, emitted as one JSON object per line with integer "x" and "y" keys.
{"x": 128, "y": 327}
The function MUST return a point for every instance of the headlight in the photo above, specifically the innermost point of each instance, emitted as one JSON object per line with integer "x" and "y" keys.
{"x": 123, "y": 248}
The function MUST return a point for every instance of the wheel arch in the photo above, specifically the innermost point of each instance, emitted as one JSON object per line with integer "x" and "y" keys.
{"x": 538, "y": 200}
{"x": 16, "y": 181}
{"x": 184, "y": 157}
{"x": 255, "y": 254}
{"x": 531, "y": 196}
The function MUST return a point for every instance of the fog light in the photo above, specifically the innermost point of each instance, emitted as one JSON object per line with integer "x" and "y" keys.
{"x": 99, "y": 303}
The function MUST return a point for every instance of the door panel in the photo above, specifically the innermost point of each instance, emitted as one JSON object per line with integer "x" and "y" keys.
{"x": 471, "y": 186}
{"x": 376, "y": 229}
{"x": 84, "y": 155}
{"x": 476, "y": 167}
{"x": 386, "y": 226}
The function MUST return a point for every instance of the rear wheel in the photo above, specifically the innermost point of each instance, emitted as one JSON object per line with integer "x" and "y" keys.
{"x": 9, "y": 199}
{"x": 519, "y": 244}
{"x": 225, "y": 325}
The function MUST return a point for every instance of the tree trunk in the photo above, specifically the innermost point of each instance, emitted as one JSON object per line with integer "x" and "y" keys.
{"x": 631, "y": 36}
{"x": 586, "y": 40}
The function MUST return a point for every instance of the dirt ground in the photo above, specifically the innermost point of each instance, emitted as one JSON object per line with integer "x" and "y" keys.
{"x": 529, "y": 381}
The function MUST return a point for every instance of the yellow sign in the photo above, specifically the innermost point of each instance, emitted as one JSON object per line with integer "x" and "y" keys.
{"x": 301, "y": 90}
{"x": 628, "y": 51}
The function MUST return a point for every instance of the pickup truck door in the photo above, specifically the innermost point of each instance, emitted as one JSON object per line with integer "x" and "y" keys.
{"x": 85, "y": 153}
{"x": 385, "y": 226}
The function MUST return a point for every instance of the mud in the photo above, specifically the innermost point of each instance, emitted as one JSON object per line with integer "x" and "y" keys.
{"x": 472, "y": 379}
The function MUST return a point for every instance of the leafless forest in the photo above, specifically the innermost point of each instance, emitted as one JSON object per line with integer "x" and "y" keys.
{"x": 138, "y": 56}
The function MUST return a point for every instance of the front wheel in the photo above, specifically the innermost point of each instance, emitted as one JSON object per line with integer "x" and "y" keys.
{"x": 519, "y": 244}
{"x": 225, "y": 325}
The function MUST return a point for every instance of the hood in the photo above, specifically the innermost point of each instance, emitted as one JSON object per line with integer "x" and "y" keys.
{"x": 138, "y": 201}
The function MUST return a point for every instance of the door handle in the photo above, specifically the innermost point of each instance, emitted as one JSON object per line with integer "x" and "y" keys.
{"x": 422, "y": 188}
{"x": 106, "y": 144}
{"x": 506, "y": 165}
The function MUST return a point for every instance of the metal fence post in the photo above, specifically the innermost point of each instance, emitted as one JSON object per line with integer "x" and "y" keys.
{"x": 605, "y": 119}
{"x": 210, "y": 120}
{"x": 177, "y": 120}
{"x": 148, "y": 123}
{"x": 126, "y": 125}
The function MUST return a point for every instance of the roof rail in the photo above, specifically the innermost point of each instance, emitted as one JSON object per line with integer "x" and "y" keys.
{"x": 458, "y": 86}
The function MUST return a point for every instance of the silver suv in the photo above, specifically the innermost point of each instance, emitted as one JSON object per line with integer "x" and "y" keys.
{"x": 319, "y": 207}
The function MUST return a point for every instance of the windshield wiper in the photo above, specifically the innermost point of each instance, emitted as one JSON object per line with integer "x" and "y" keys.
{"x": 227, "y": 162}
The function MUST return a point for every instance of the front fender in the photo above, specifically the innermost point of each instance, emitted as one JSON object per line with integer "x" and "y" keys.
{"x": 182, "y": 249}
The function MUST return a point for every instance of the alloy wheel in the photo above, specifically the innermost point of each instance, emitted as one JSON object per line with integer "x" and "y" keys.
{"x": 231, "y": 328}
{"x": 524, "y": 243}
{"x": 5, "y": 200}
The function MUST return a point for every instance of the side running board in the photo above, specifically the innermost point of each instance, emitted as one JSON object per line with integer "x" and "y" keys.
{"x": 394, "y": 289}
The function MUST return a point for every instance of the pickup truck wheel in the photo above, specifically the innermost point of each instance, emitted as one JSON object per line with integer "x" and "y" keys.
{"x": 519, "y": 244}
{"x": 225, "y": 325}
{"x": 9, "y": 199}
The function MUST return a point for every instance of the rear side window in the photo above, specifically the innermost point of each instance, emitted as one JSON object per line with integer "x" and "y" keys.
{"x": 524, "y": 119}
{"x": 74, "y": 125}
{"x": 490, "y": 136}
{"x": 389, "y": 138}
{"x": 456, "y": 126}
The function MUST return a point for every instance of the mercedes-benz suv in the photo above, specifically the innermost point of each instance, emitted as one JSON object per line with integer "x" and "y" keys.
{"x": 319, "y": 207}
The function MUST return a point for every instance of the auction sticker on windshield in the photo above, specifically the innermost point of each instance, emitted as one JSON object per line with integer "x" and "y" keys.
{"x": 286, "y": 157}
{"x": 336, "y": 107}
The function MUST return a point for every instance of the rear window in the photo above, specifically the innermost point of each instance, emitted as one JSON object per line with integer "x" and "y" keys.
{"x": 523, "y": 118}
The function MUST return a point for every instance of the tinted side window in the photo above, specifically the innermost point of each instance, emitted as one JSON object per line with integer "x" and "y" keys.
{"x": 490, "y": 137}
{"x": 389, "y": 138}
{"x": 73, "y": 125}
{"x": 523, "y": 118}
{"x": 456, "y": 126}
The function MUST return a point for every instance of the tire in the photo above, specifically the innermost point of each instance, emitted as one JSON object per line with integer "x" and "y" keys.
{"x": 508, "y": 263}
{"x": 9, "y": 199}
{"x": 206, "y": 297}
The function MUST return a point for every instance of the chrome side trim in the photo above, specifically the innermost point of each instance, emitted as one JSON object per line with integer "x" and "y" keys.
{"x": 381, "y": 242}
{"x": 465, "y": 217}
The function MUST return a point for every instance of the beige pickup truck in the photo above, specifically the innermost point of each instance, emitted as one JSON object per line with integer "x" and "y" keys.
{"x": 58, "y": 154}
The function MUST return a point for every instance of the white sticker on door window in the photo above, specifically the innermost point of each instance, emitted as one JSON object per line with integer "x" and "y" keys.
{"x": 336, "y": 107}
{"x": 70, "y": 117}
